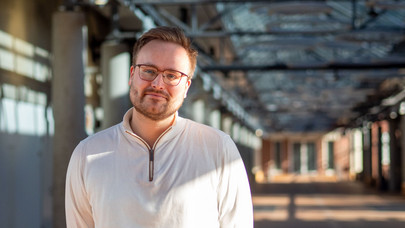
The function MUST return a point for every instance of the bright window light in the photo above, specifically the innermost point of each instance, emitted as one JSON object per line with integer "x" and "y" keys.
{"x": 6, "y": 40}
{"x": 6, "y": 59}
{"x": 24, "y": 47}
{"x": 100, "y": 2}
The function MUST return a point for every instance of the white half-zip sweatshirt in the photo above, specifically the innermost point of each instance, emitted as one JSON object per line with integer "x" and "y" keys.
{"x": 196, "y": 179}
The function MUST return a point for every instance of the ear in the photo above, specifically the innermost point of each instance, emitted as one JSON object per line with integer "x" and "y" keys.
{"x": 188, "y": 84}
{"x": 131, "y": 75}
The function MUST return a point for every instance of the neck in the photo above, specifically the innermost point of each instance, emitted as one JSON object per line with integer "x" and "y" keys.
{"x": 148, "y": 129}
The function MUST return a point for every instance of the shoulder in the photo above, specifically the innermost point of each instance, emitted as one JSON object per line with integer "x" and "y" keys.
{"x": 102, "y": 139}
{"x": 108, "y": 133}
{"x": 203, "y": 134}
{"x": 204, "y": 130}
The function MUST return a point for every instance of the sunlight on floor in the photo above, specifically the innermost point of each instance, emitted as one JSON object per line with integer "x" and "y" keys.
{"x": 336, "y": 207}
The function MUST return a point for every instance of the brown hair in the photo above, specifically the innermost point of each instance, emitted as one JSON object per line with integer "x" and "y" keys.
{"x": 169, "y": 34}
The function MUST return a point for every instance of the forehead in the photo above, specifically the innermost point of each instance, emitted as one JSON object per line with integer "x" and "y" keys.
{"x": 165, "y": 55}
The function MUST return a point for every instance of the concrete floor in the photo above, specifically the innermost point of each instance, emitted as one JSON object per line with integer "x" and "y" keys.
{"x": 310, "y": 203}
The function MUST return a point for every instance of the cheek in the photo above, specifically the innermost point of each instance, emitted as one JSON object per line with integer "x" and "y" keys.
{"x": 138, "y": 84}
{"x": 135, "y": 89}
{"x": 179, "y": 94}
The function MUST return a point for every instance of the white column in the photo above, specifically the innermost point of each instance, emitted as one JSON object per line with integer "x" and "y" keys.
{"x": 236, "y": 132}
{"x": 215, "y": 119}
{"x": 357, "y": 166}
{"x": 304, "y": 158}
{"x": 115, "y": 63}
{"x": 198, "y": 111}
{"x": 67, "y": 100}
{"x": 227, "y": 125}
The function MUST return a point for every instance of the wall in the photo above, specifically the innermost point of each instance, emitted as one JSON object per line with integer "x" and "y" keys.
{"x": 287, "y": 142}
{"x": 25, "y": 118}
{"x": 341, "y": 156}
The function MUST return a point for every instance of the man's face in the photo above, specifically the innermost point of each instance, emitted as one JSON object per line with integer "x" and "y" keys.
{"x": 155, "y": 99}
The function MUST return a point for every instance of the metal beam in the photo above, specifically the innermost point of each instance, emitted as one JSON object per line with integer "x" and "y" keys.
{"x": 211, "y": 34}
{"x": 151, "y": 11}
{"x": 205, "y": 2}
{"x": 174, "y": 20}
{"x": 326, "y": 66}
{"x": 211, "y": 21}
{"x": 308, "y": 33}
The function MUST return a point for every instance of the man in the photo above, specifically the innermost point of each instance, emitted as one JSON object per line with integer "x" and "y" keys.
{"x": 156, "y": 169}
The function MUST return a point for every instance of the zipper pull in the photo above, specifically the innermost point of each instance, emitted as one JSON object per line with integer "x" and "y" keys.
{"x": 151, "y": 168}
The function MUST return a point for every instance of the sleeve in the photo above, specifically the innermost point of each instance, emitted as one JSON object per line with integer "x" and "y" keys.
{"x": 78, "y": 209}
{"x": 234, "y": 196}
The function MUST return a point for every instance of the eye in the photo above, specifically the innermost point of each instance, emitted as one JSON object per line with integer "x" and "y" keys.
{"x": 172, "y": 75}
{"x": 149, "y": 70}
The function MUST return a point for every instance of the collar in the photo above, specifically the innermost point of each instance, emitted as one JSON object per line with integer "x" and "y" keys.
{"x": 177, "y": 126}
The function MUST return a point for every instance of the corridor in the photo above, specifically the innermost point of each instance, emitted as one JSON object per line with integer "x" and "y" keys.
{"x": 306, "y": 202}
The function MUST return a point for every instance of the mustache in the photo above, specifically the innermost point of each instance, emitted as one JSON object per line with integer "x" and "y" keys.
{"x": 151, "y": 90}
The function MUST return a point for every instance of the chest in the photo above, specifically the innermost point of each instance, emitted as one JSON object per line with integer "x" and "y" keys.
{"x": 185, "y": 183}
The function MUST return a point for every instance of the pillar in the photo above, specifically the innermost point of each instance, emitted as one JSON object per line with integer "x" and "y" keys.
{"x": 115, "y": 63}
{"x": 266, "y": 144}
{"x": 285, "y": 156}
{"x": 226, "y": 124}
{"x": 357, "y": 164}
{"x": 402, "y": 153}
{"x": 319, "y": 158}
{"x": 304, "y": 158}
{"x": 198, "y": 111}
{"x": 68, "y": 100}
{"x": 215, "y": 119}
{"x": 366, "y": 140}
{"x": 380, "y": 178}
{"x": 394, "y": 184}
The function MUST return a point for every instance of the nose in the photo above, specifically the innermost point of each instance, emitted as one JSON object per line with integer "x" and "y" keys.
{"x": 158, "y": 82}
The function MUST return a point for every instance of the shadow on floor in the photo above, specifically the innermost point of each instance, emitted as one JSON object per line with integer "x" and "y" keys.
{"x": 332, "y": 204}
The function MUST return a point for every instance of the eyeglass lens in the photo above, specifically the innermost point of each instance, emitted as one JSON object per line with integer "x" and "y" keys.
{"x": 149, "y": 73}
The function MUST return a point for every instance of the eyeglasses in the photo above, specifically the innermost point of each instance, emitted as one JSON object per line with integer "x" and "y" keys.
{"x": 170, "y": 77}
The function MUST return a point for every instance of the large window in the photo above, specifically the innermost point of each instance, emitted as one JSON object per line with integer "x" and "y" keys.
{"x": 24, "y": 88}
{"x": 311, "y": 156}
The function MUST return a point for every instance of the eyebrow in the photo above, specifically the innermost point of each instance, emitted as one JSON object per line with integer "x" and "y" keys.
{"x": 153, "y": 65}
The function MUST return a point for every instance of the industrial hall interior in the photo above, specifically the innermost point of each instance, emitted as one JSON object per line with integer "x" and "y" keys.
{"x": 307, "y": 89}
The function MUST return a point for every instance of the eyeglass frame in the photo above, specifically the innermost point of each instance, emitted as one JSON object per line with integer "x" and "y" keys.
{"x": 160, "y": 71}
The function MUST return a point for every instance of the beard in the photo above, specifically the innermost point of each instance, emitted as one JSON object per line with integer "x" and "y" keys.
{"x": 154, "y": 109}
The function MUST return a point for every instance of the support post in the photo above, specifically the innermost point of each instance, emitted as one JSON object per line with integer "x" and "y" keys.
{"x": 381, "y": 182}
{"x": 367, "y": 154}
{"x": 394, "y": 184}
{"x": 68, "y": 100}
{"x": 402, "y": 152}
{"x": 116, "y": 62}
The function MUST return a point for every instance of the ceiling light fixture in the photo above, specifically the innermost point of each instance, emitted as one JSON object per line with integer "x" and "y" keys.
{"x": 100, "y": 2}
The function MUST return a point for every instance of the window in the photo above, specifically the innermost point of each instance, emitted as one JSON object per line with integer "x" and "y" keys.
{"x": 311, "y": 156}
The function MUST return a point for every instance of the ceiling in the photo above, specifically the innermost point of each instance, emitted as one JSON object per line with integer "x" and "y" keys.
{"x": 296, "y": 66}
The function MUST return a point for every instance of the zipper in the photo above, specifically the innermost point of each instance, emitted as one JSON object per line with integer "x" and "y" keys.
{"x": 151, "y": 163}
{"x": 151, "y": 151}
